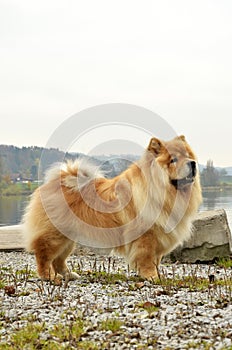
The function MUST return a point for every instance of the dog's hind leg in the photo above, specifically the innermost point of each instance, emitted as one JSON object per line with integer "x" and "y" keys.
{"x": 59, "y": 263}
{"x": 51, "y": 250}
{"x": 44, "y": 268}
{"x": 44, "y": 264}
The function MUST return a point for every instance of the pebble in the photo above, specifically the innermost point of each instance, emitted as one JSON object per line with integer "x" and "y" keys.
{"x": 181, "y": 318}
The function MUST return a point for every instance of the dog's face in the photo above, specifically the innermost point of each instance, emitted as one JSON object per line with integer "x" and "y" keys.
{"x": 177, "y": 158}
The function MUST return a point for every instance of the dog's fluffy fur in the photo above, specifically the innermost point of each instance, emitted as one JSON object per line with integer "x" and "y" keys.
{"x": 143, "y": 213}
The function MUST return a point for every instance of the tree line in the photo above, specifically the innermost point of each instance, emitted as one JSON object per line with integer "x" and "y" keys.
{"x": 211, "y": 177}
{"x": 25, "y": 163}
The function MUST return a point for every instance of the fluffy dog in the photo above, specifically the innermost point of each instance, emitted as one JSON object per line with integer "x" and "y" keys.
{"x": 142, "y": 214}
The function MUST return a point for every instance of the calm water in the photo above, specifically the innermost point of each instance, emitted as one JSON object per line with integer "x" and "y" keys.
{"x": 11, "y": 208}
{"x": 218, "y": 200}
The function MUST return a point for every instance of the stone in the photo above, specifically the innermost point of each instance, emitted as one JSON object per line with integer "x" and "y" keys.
{"x": 211, "y": 239}
{"x": 11, "y": 238}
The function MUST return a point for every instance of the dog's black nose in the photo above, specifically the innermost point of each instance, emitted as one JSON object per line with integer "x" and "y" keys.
{"x": 193, "y": 167}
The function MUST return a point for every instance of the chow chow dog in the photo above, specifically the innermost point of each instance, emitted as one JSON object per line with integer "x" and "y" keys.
{"x": 141, "y": 214}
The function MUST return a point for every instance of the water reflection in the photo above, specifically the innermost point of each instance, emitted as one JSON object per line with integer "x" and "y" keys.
{"x": 11, "y": 209}
{"x": 218, "y": 200}
{"x": 210, "y": 200}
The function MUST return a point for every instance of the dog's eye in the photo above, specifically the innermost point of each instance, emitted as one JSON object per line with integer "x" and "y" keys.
{"x": 174, "y": 160}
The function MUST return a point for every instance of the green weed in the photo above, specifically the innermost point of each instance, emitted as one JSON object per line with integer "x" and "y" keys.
{"x": 111, "y": 324}
{"x": 71, "y": 332}
{"x": 225, "y": 262}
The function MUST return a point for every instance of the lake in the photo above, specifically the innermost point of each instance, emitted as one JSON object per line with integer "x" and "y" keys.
{"x": 218, "y": 200}
{"x": 11, "y": 208}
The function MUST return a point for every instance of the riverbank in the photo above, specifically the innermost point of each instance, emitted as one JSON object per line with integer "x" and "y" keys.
{"x": 18, "y": 189}
{"x": 109, "y": 308}
{"x": 25, "y": 189}
{"x": 220, "y": 188}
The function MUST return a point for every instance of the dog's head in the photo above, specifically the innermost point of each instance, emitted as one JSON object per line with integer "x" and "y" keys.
{"x": 177, "y": 159}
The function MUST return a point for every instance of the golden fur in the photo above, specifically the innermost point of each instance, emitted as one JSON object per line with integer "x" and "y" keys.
{"x": 142, "y": 214}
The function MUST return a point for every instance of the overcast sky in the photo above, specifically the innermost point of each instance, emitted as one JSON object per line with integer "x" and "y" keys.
{"x": 171, "y": 57}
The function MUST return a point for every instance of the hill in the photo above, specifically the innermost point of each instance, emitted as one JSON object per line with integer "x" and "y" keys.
{"x": 24, "y": 163}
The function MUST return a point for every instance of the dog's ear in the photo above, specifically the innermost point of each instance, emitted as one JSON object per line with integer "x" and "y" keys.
{"x": 155, "y": 146}
{"x": 181, "y": 138}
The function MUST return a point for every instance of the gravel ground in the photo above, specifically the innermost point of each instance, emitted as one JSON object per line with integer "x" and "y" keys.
{"x": 109, "y": 308}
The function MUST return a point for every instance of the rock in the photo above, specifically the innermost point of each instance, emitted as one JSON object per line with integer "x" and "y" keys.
{"x": 11, "y": 238}
{"x": 211, "y": 239}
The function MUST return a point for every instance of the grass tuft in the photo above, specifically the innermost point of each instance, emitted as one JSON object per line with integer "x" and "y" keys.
{"x": 111, "y": 324}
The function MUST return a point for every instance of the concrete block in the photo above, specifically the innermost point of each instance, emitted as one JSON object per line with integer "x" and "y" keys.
{"x": 11, "y": 238}
{"x": 211, "y": 239}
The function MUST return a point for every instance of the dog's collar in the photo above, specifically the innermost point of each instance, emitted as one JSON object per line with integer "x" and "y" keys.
{"x": 178, "y": 183}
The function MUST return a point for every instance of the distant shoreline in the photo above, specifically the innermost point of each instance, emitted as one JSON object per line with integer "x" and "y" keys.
{"x": 2, "y": 195}
{"x": 222, "y": 188}
{"x": 18, "y": 189}
{"x": 11, "y": 192}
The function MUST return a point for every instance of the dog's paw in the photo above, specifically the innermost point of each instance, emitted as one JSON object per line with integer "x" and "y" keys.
{"x": 56, "y": 278}
{"x": 71, "y": 276}
{"x": 150, "y": 275}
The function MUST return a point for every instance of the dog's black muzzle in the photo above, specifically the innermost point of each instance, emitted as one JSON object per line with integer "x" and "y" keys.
{"x": 180, "y": 183}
